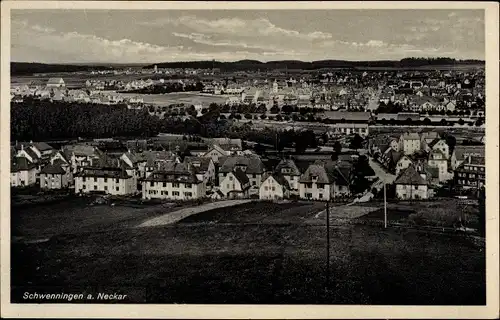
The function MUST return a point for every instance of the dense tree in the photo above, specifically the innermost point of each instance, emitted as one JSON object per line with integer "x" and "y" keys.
{"x": 361, "y": 170}
{"x": 356, "y": 142}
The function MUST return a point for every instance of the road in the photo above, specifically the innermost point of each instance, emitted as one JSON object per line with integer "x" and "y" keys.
{"x": 178, "y": 215}
{"x": 381, "y": 173}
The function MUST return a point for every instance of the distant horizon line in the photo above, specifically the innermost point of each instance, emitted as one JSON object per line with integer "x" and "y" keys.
{"x": 234, "y": 61}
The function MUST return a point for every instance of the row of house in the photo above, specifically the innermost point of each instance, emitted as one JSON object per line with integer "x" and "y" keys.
{"x": 224, "y": 171}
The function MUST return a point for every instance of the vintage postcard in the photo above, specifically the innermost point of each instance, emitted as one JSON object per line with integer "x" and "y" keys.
{"x": 249, "y": 159}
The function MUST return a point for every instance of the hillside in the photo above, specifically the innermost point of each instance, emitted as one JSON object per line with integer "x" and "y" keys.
{"x": 29, "y": 68}
{"x": 295, "y": 64}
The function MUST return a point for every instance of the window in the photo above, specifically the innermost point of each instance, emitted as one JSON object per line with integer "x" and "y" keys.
{"x": 188, "y": 185}
{"x": 266, "y": 188}
{"x": 254, "y": 176}
{"x": 105, "y": 180}
{"x": 415, "y": 187}
{"x": 321, "y": 196}
{"x": 95, "y": 179}
{"x": 84, "y": 187}
{"x": 175, "y": 185}
{"x": 227, "y": 186}
{"x": 175, "y": 193}
{"x": 166, "y": 193}
{"x": 188, "y": 194}
{"x": 95, "y": 187}
{"x": 274, "y": 189}
{"x": 164, "y": 184}
{"x": 83, "y": 179}
{"x": 254, "y": 183}
{"x": 117, "y": 188}
{"x": 230, "y": 178}
{"x": 105, "y": 188}
{"x": 117, "y": 180}
{"x": 151, "y": 184}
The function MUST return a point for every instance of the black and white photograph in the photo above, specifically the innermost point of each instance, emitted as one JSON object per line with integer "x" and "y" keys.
{"x": 249, "y": 157}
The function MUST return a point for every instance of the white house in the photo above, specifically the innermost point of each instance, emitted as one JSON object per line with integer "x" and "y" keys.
{"x": 114, "y": 181}
{"x": 409, "y": 143}
{"x": 438, "y": 160}
{"x": 250, "y": 165}
{"x": 288, "y": 169}
{"x": 175, "y": 181}
{"x": 53, "y": 176}
{"x": 323, "y": 182}
{"x": 403, "y": 163}
{"x": 411, "y": 185}
{"x": 441, "y": 145}
{"x": 22, "y": 172}
{"x": 235, "y": 184}
{"x": 273, "y": 187}
{"x": 55, "y": 83}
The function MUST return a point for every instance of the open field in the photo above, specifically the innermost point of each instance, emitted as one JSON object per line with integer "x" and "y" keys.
{"x": 188, "y": 98}
{"x": 260, "y": 252}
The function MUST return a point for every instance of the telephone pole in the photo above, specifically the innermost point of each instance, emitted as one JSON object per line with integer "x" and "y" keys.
{"x": 328, "y": 243}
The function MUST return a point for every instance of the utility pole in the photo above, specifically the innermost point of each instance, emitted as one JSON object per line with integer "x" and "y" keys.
{"x": 385, "y": 207}
{"x": 327, "y": 244}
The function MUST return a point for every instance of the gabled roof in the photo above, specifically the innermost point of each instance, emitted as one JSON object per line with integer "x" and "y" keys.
{"x": 434, "y": 142}
{"x": 199, "y": 164}
{"x": 53, "y": 169}
{"x": 55, "y": 81}
{"x": 317, "y": 171}
{"x": 42, "y": 146}
{"x": 410, "y": 176}
{"x": 252, "y": 162}
{"x": 21, "y": 164}
{"x": 278, "y": 177}
{"x": 241, "y": 176}
{"x": 429, "y": 135}
{"x": 288, "y": 164}
{"x": 462, "y": 151}
{"x": 31, "y": 153}
{"x": 410, "y": 136}
{"x": 174, "y": 172}
{"x": 81, "y": 150}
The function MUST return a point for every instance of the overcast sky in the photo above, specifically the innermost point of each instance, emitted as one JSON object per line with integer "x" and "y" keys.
{"x": 66, "y": 36}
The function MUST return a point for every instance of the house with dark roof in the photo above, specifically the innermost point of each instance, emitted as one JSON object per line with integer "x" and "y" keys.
{"x": 114, "y": 181}
{"x": 22, "y": 172}
{"x": 411, "y": 184}
{"x": 289, "y": 170}
{"x": 274, "y": 186}
{"x": 235, "y": 184}
{"x": 251, "y": 165}
{"x": 53, "y": 176}
{"x": 324, "y": 180}
{"x": 204, "y": 168}
{"x": 42, "y": 149}
{"x": 176, "y": 181}
{"x": 461, "y": 153}
{"x": 81, "y": 155}
{"x": 26, "y": 151}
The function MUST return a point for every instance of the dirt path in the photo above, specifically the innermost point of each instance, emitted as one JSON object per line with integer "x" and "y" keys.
{"x": 178, "y": 215}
